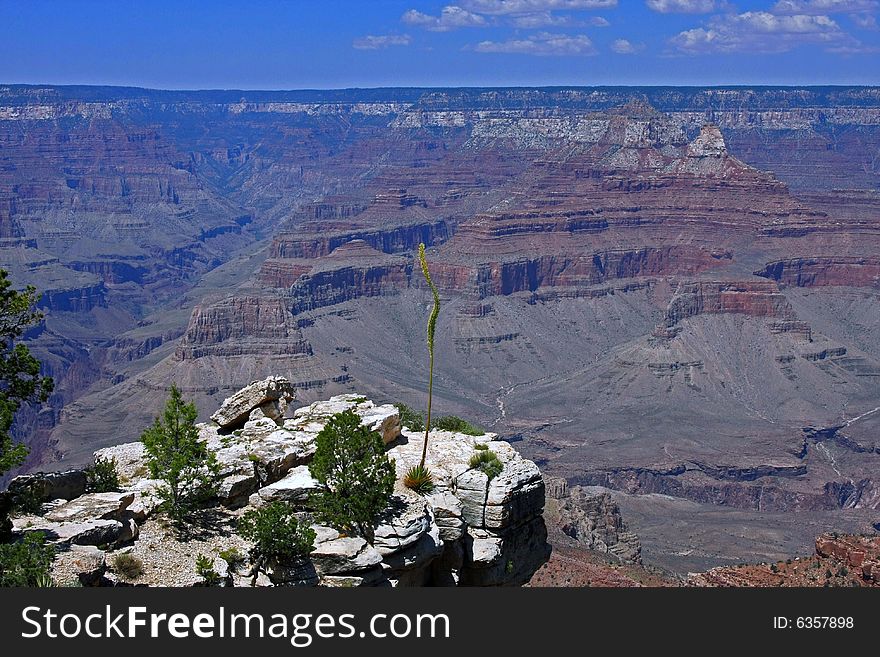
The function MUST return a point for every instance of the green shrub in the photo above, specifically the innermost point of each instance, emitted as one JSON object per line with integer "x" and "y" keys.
{"x": 27, "y": 562}
{"x": 27, "y": 502}
{"x": 774, "y": 568}
{"x": 20, "y": 380}
{"x": 102, "y": 476}
{"x": 453, "y": 423}
{"x": 175, "y": 455}
{"x": 410, "y": 418}
{"x": 231, "y": 556}
{"x": 487, "y": 462}
{"x": 355, "y": 474}
{"x": 128, "y": 565}
{"x": 419, "y": 479}
{"x": 276, "y": 533}
{"x": 481, "y": 446}
{"x": 205, "y": 570}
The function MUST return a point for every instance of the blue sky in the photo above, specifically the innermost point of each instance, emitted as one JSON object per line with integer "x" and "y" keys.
{"x": 275, "y": 44}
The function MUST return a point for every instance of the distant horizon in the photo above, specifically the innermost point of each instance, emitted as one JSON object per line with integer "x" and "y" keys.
{"x": 436, "y": 87}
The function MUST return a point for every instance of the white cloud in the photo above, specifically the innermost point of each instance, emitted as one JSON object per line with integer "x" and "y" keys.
{"x": 543, "y": 44}
{"x": 371, "y": 42}
{"x": 548, "y": 19}
{"x": 626, "y": 47}
{"x": 541, "y": 19}
{"x": 451, "y": 17}
{"x": 824, "y": 7}
{"x": 684, "y": 6}
{"x": 762, "y": 32}
{"x": 864, "y": 21}
{"x": 506, "y": 7}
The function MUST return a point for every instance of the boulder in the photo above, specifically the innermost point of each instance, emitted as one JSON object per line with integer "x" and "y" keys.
{"x": 89, "y": 532}
{"x": 146, "y": 499}
{"x": 406, "y": 521}
{"x": 103, "y": 506}
{"x": 295, "y": 487}
{"x": 350, "y": 554}
{"x": 235, "y": 410}
{"x": 131, "y": 461}
{"x": 299, "y": 572}
{"x": 447, "y": 510}
{"x": 234, "y": 490}
{"x": 50, "y": 485}
{"x": 384, "y": 419}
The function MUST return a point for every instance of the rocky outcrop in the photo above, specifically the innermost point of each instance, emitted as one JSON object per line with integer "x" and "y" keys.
{"x": 824, "y": 271}
{"x": 860, "y": 553}
{"x": 271, "y": 396}
{"x": 593, "y": 519}
{"x": 840, "y": 560}
{"x": 392, "y": 239}
{"x": 756, "y": 299}
{"x": 353, "y": 270}
{"x": 471, "y": 530}
{"x": 47, "y": 486}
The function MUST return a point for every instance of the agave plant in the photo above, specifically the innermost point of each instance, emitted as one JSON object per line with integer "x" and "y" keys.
{"x": 419, "y": 478}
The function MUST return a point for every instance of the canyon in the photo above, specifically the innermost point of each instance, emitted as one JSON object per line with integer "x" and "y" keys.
{"x": 669, "y": 293}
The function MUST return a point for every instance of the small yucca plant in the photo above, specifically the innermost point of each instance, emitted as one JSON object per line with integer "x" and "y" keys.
{"x": 419, "y": 479}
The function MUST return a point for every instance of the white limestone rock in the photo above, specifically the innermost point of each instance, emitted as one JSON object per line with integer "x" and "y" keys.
{"x": 295, "y": 487}
{"x": 385, "y": 419}
{"x": 92, "y": 506}
{"x": 350, "y": 554}
{"x": 131, "y": 461}
{"x": 235, "y": 409}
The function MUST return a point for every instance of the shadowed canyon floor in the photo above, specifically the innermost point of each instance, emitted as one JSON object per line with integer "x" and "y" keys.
{"x": 670, "y": 293}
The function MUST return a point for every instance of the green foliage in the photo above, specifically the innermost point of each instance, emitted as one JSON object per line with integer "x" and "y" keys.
{"x": 276, "y": 533}
{"x": 356, "y": 475}
{"x": 27, "y": 562}
{"x": 205, "y": 570}
{"x": 177, "y": 457}
{"x": 410, "y": 418}
{"x": 45, "y": 581}
{"x": 419, "y": 479}
{"x": 231, "y": 556}
{"x": 481, "y": 446}
{"x": 432, "y": 325}
{"x": 453, "y": 423}
{"x": 28, "y": 501}
{"x": 487, "y": 462}
{"x": 828, "y": 574}
{"x": 102, "y": 476}
{"x": 774, "y": 568}
{"x": 128, "y": 565}
{"x": 20, "y": 379}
